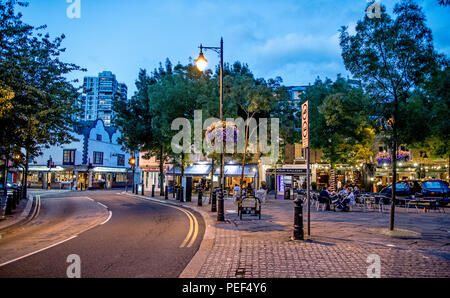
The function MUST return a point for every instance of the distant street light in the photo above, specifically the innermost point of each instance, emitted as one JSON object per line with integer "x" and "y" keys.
{"x": 201, "y": 63}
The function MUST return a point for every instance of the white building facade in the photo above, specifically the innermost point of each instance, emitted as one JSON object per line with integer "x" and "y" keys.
{"x": 94, "y": 160}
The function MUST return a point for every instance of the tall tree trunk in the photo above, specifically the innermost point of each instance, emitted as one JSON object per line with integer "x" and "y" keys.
{"x": 25, "y": 173}
{"x": 211, "y": 186}
{"x": 5, "y": 176}
{"x": 161, "y": 170}
{"x": 182, "y": 165}
{"x": 243, "y": 159}
{"x": 448, "y": 167}
{"x": 394, "y": 171}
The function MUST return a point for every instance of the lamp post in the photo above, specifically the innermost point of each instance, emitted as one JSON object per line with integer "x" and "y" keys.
{"x": 201, "y": 64}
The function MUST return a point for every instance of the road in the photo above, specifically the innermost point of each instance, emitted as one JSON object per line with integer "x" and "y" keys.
{"x": 113, "y": 234}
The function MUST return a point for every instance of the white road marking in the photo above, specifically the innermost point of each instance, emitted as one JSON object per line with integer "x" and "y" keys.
{"x": 36, "y": 212}
{"x": 109, "y": 217}
{"x": 35, "y": 252}
{"x": 102, "y": 205}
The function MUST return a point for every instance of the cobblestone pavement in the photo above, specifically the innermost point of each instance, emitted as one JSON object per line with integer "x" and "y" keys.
{"x": 339, "y": 245}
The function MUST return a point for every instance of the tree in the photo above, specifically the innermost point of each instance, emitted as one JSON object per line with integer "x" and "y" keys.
{"x": 250, "y": 98}
{"x": 437, "y": 104}
{"x": 349, "y": 134}
{"x": 393, "y": 58}
{"x": 176, "y": 94}
{"x": 43, "y": 99}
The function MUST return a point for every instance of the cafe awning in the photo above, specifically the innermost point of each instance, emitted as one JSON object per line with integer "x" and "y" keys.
{"x": 109, "y": 170}
{"x": 193, "y": 170}
{"x": 44, "y": 169}
{"x": 236, "y": 170}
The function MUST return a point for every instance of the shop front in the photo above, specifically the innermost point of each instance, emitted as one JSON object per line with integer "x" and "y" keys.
{"x": 108, "y": 177}
{"x": 292, "y": 178}
{"x": 199, "y": 173}
{"x": 233, "y": 173}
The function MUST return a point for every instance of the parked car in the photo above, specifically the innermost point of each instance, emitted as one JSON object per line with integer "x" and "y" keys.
{"x": 405, "y": 188}
{"x": 437, "y": 189}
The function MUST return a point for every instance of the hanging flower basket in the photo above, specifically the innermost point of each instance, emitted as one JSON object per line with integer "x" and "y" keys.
{"x": 226, "y": 129}
{"x": 386, "y": 158}
{"x": 403, "y": 155}
{"x": 383, "y": 158}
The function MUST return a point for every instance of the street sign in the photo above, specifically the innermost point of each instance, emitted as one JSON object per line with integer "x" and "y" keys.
{"x": 305, "y": 125}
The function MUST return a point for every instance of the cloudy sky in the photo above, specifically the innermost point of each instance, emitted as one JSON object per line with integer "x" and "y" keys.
{"x": 294, "y": 39}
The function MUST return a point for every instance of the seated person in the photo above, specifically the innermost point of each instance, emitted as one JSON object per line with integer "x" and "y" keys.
{"x": 351, "y": 197}
{"x": 261, "y": 194}
{"x": 324, "y": 197}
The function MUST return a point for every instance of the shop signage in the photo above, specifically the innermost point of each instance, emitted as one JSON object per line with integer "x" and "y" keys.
{"x": 287, "y": 171}
{"x": 305, "y": 125}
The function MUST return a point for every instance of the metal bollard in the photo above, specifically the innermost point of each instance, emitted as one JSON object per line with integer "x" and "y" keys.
{"x": 166, "y": 194}
{"x": 173, "y": 191}
{"x": 142, "y": 189}
{"x": 14, "y": 199}
{"x": 214, "y": 201}
{"x": 200, "y": 197}
{"x": 153, "y": 190}
{"x": 221, "y": 213}
{"x": 136, "y": 189}
{"x": 8, "y": 210}
{"x": 181, "y": 190}
{"x": 298, "y": 220}
{"x": 177, "y": 193}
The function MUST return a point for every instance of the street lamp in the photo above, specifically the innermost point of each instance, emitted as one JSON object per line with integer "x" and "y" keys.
{"x": 201, "y": 63}
{"x": 132, "y": 163}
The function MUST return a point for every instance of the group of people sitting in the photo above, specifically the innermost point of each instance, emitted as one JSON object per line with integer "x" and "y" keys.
{"x": 328, "y": 196}
{"x": 260, "y": 193}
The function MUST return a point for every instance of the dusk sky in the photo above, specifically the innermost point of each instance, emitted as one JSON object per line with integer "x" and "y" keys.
{"x": 297, "y": 40}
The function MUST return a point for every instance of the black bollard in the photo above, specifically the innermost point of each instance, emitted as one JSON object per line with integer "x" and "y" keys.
{"x": 136, "y": 189}
{"x": 166, "y": 194}
{"x": 221, "y": 213}
{"x": 173, "y": 191}
{"x": 177, "y": 193}
{"x": 142, "y": 189}
{"x": 200, "y": 197}
{"x": 214, "y": 201}
{"x": 182, "y": 198}
{"x": 8, "y": 210}
{"x": 14, "y": 200}
{"x": 153, "y": 190}
{"x": 298, "y": 220}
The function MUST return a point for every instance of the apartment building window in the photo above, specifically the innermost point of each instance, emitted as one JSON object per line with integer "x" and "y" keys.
{"x": 68, "y": 157}
{"x": 120, "y": 159}
{"x": 98, "y": 158}
{"x": 99, "y": 137}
